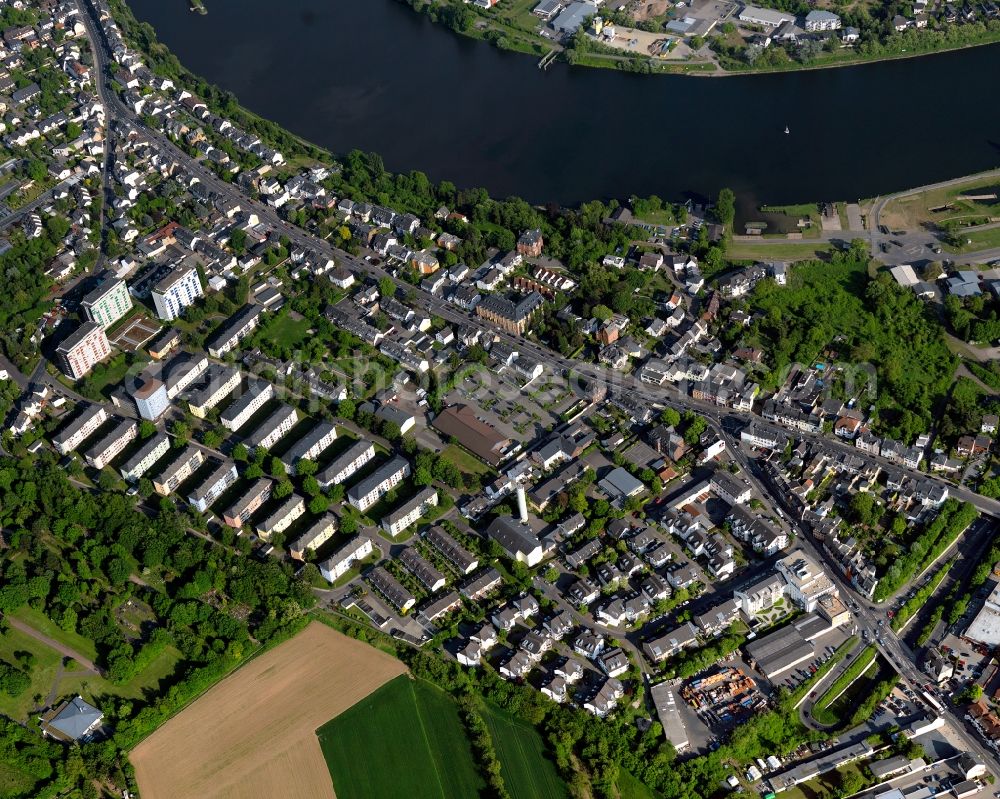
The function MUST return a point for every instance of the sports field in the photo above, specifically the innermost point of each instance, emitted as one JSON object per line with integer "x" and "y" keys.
{"x": 253, "y": 736}
{"x": 525, "y": 770}
{"x": 404, "y": 740}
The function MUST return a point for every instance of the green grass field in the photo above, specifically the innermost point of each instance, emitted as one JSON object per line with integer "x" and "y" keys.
{"x": 406, "y": 739}
{"x": 47, "y": 627}
{"x": 768, "y": 250}
{"x": 526, "y": 772}
{"x": 630, "y": 788}
{"x": 465, "y": 461}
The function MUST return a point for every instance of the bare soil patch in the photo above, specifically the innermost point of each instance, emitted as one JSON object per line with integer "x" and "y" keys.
{"x": 253, "y": 736}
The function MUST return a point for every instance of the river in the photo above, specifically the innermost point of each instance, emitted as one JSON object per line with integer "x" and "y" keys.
{"x": 374, "y": 75}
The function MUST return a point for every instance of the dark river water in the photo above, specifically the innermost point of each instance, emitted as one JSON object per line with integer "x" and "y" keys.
{"x": 372, "y": 74}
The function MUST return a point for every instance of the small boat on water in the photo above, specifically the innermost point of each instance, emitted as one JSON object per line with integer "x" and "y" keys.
{"x": 787, "y": 131}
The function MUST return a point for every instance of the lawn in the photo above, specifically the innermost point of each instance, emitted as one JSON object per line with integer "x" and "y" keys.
{"x": 769, "y": 249}
{"x": 285, "y": 331}
{"x": 406, "y": 739}
{"x": 47, "y": 627}
{"x": 526, "y": 771}
{"x": 465, "y": 461}
{"x": 826, "y": 785}
{"x": 630, "y": 788}
{"x": 42, "y": 672}
{"x": 914, "y": 210}
{"x": 981, "y": 240}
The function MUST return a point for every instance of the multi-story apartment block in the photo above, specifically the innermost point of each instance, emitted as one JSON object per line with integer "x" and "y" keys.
{"x": 235, "y": 329}
{"x": 509, "y": 315}
{"x": 179, "y": 470}
{"x": 151, "y": 399}
{"x": 223, "y": 476}
{"x": 422, "y": 569}
{"x": 143, "y": 460}
{"x": 343, "y": 466}
{"x": 256, "y": 396}
{"x": 281, "y": 519}
{"x": 338, "y": 564}
{"x": 77, "y": 431}
{"x": 313, "y": 538}
{"x": 240, "y": 511}
{"x": 310, "y": 446}
{"x": 409, "y": 512}
{"x": 377, "y": 485}
{"x": 182, "y": 371}
{"x": 108, "y": 303}
{"x": 272, "y": 429}
{"x": 82, "y": 349}
{"x": 111, "y": 445}
{"x": 177, "y": 291}
{"x": 222, "y": 381}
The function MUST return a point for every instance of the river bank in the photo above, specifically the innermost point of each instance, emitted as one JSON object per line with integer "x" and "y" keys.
{"x": 515, "y": 28}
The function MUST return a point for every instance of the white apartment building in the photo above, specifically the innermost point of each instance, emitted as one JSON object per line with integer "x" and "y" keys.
{"x": 338, "y": 564}
{"x": 111, "y": 445}
{"x": 250, "y": 401}
{"x": 179, "y": 470}
{"x": 81, "y": 428}
{"x": 272, "y": 429}
{"x": 81, "y": 350}
{"x": 281, "y": 519}
{"x": 143, "y": 460}
{"x": 235, "y": 329}
{"x": 377, "y": 485}
{"x": 182, "y": 371}
{"x": 346, "y": 464}
{"x": 108, "y": 303}
{"x": 177, "y": 291}
{"x": 223, "y": 476}
{"x": 310, "y": 446}
{"x": 409, "y": 512}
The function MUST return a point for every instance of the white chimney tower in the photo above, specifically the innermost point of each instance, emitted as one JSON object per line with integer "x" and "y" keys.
{"x": 522, "y": 503}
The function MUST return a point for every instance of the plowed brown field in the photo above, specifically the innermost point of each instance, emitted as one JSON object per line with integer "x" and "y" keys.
{"x": 253, "y": 736}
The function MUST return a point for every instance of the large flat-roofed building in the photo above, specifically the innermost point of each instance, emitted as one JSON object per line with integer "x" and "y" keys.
{"x": 669, "y": 713}
{"x": 272, "y": 429}
{"x": 222, "y": 381}
{"x": 182, "y": 370}
{"x": 985, "y": 626}
{"x": 223, "y": 476}
{"x": 312, "y": 539}
{"x": 389, "y": 587}
{"x": 479, "y": 437}
{"x": 144, "y": 459}
{"x": 807, "y": 582}
{"x": 239, "y": 512}
{"x": 108, "y": 303}
{"x": 282, "y": 517}
{"x": 255, "y": 397}
{"x": 112, "y": 444}
{"x": 619, "y": 484}
{"x": 370, "y": 490}
{"x": 235, "y": 329}
{"x": 177, "y": 291}
{"x": 310, "y": 446}
{"x": 82, "y": 350}
{"x": 457, "y": 555}
{"x": 409, "y": 512}
{"x": 787, "y": 648}
{"x": 179, "y": 470}
{"x": 346, "y": 464}
{"x": 765, "y": 17}
{"x": 341, "y": 561}
{"x": 81, "y": 428}
{"x": 151, "y": 399}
